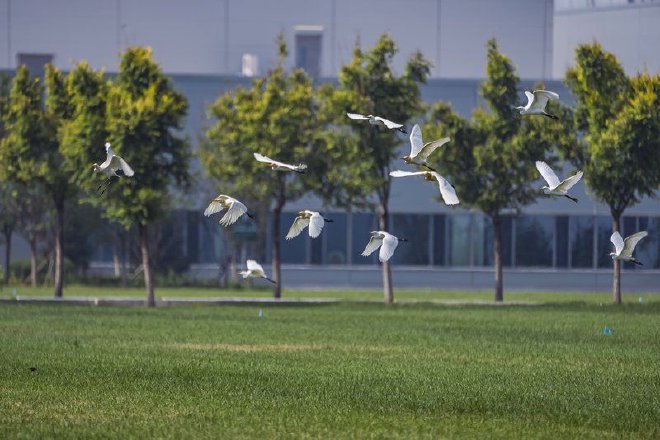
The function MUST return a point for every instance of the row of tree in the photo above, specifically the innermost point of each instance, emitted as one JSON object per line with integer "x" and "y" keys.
{"x": 613, "y": 134}
{"x": 53, "y": 133}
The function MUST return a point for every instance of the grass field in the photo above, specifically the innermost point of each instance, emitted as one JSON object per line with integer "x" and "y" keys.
{"x": 336, "y": 371}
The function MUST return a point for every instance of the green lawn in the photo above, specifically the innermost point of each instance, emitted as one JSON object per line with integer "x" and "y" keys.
{"x": 345, "y": 294}
{"x": 335, "y": 371}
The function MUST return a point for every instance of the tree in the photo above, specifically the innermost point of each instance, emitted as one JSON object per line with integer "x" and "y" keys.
{"x": 9, "y": 216}
{"x": 143, "y": 112}
{"x": 618, "y": 119}
{"x": 34, "y": 221}
{"x": 491, "y": 158}
{"x": 275, "y": 117}
{"x": 368, "y": 85}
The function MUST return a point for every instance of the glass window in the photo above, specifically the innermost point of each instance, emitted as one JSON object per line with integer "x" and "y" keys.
{"x": 648, "y": 250}
{"x": 335, "y": 239}
{"x": 629, "y": 227}
{"x": 605, "y": 246}
{"x": 459, "y": 239}
{"x": 478, "y": 238}
{"x": 534, "y": 235}
{"x": 439, "y": 240}
{"x": 35, "y": 62}
{"x": 414, "y": 228}
{"x": 316, "y": 248}
{"x": 209, "y": 235}
{"x": 581, "y": 236}
{"x": 292, "y": 251}
{"x": 308, "y": 53}
{"x": 363, "y": 224}
{"x": 506, "y": 245}
{"x": 561, "y": 241}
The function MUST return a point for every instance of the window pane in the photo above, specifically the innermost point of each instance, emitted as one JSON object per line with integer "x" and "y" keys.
{"x": 439, "y": 240}
{"x": 561, "y": 241}
{"x": 209, "y": 236}
{"x": 629, "y": 227}
{"x": 292, "y": 251}
{"x": 534, "y": 235}
{"x": 414, "y": 228}
{"x": 581, "y": 231}
{"x": 308, "y": 53}
{"x": 363, "y": 224}
{"x": 648, "y": 250}
{"x": 489, "y": 242}
{"x": 335, "y": 239}
{"x": 459, "y": 240}
{"x": 478, "y": 235}
{"x": 605, "y": 246}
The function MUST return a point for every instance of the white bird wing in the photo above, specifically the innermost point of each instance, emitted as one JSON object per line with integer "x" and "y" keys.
{"x": 266, "y": 159}
{"x": 570, "y": 182}
{"x": 374, "y": 243}
{"x": 356, "y": 116}
{"x": 617, "y": 241}
{"x": 262, "y": 158}
{"x": 389, "y": 124}
{"x": 416, "y": 142}
{"x": 109, "y": 156}
{"x": 548, "y": 174}
{"x": 447, "y": 191}
{"x": 630, "y": 242}
{"x": 235, "y": 210}
{"x": 215, "y": 206}
{"x": 399, "y": 173}
{"x": 390, "y": 242}
{"x": 530, "y": 99}
{"x": 299, "y": 224}
{"x": 253, "y": 265}
{"x": 541, "y": 98}
{"x": 128, "y": 171}
{"x": 430, "y": 147}
{"x": 316, "y": 223}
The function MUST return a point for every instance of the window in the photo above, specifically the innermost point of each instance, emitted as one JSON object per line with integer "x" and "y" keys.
{"x": 293, "y": 251}
{"x": 489, "y": 242}
{"x": 605, "y": 246}
{"x": 439, "y": 240}
{"x": 414, "y": 228}
{"x": 308, "y": 52}
{"x": 648, "y": 250}
{"x": 34, "y": 62}
{"x": 581, "y": 233}
{"x": 335, "y": 239}
{"x": 534, "y": 235}
{"x": 561, "y": 241}
{"x": 363, "y": 224}
{"x": 459, "y": 240}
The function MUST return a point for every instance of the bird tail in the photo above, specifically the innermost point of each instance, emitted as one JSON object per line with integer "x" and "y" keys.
{"x": 551, "y": 116}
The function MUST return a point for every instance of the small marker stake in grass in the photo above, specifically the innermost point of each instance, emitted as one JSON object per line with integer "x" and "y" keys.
{"x": 641, "y": 300}
{"x": 607, "y": 331}
{"x": 14, "y": 293}
{"x": 261, "y": 313}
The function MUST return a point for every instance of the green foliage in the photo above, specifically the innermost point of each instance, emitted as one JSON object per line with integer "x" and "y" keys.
{"x": 490, "y": 158}
{"x": 143, "y": 114}
{"x": 35, "y": 213}
{"x": 335, "y": 371}
{"x": 619, "y": 120}
{"x": 368, "y": 85}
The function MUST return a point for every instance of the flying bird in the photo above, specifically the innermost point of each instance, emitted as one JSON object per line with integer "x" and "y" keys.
{"x": 254, "y": 270}
{"x": 383, "y": 240}
{"x": 555, "y": 187}
{"x": 536, "y": 103}
{"x": 280, "y": 166}
{"x": 420, "y": 150}
{"x": 304, "y": 219}
{"x": 623, "y": 249}
{"x": 377, "y": 120}
{"x": 447, "y": 190}
{"x": 234, "y": 208}
{"x": 110, "y": 167}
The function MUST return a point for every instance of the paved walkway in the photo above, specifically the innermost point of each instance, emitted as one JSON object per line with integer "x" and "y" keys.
{"x": 166, "y": 301}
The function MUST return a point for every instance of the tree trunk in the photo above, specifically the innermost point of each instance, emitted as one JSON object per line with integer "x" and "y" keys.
{"x": 33, "y": 263}
{"x": 276, "y": 269}
{"x": 7, "y": 232}
{"x": 116, "y": 250}
{"x": 124, "y": 258}
{"x": 388, "y": 291}
{"x": 59, "y": 250}
{"x": 146, "y": 265}
{"x": 497, "y": 229}
{"x": 616, "y": 277}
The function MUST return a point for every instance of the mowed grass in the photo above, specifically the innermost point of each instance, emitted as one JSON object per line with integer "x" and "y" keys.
{"x": 403, "y": 295}
{"x": 334, "y": 371}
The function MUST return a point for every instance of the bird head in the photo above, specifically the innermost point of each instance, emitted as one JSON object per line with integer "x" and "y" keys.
{"x": 429, "y": 176}
{"x": 107, "y": 145}
{"x": 520, "y": 108}
{"x": 406, "y": 159}
{"x": 612, "y": 254}
{"x": 544, "y": 187}
{"x": 96, "y": 168}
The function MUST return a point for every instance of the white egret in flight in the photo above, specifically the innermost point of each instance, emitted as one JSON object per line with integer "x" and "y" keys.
{"x": 280, "y": 166}
{"x": 420, "y": 151}
{"x": 112, "y": 164}
{"x": 383, "y": 240}
{"x": 536, "y": 103}
{"x": 234, "y": 208}
{"x": 307, "y": 218}
{"x": 554, "y": 186}
{"x": 377, "y": 120}
{"x": 447, "y": 190}
{"x": 254, "y": 270}
{"x": 623, "y": 249}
